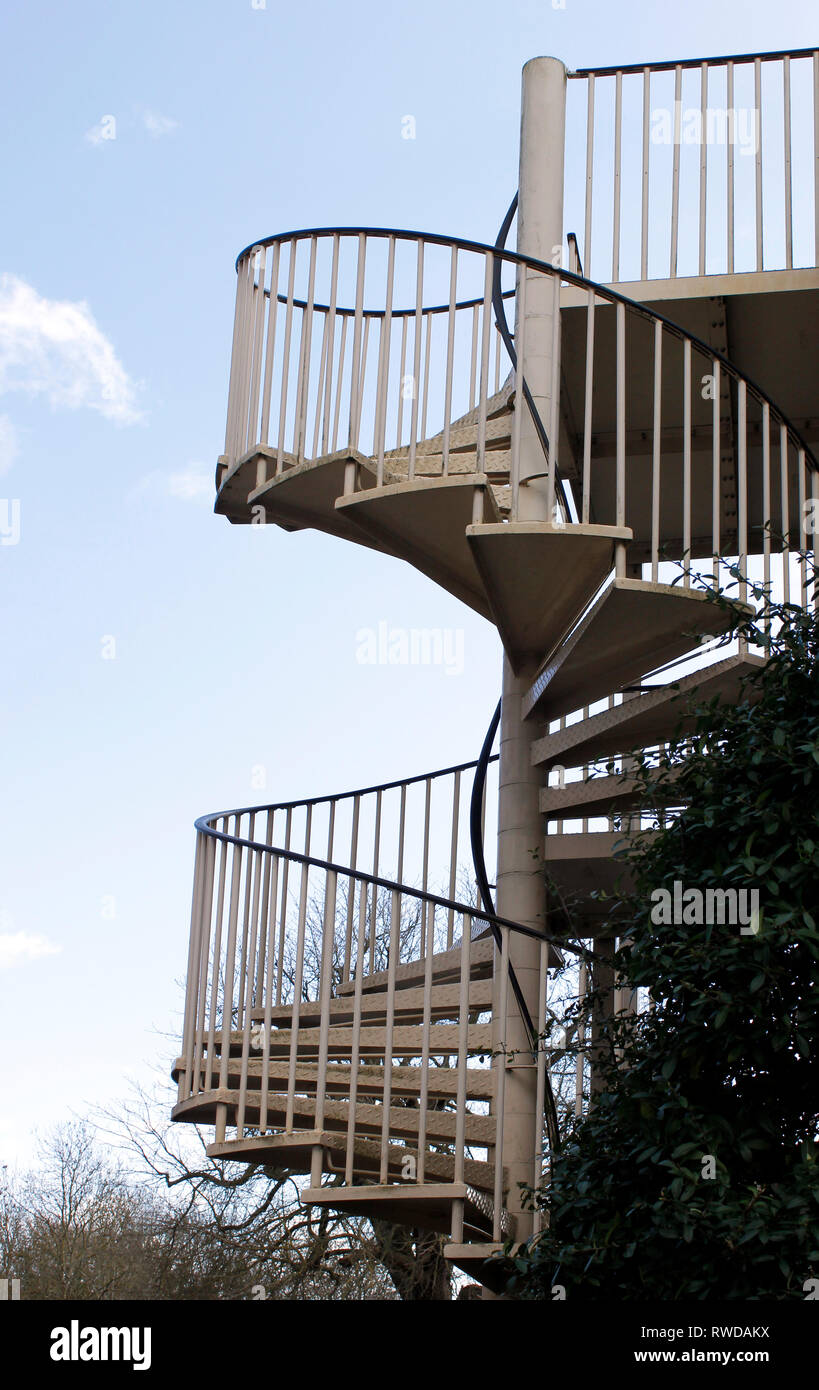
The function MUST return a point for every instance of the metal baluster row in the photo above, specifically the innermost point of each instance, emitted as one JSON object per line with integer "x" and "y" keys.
{"x": 773, "y": 104}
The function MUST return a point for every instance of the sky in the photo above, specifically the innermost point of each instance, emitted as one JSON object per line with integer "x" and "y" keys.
{"x": 156, "y": 662}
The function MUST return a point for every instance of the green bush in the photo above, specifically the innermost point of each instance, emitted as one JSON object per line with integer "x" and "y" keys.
{"x": 720, "y": 1075}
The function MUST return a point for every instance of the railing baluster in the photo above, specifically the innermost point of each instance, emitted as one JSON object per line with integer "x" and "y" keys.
{"x": 587, "y": 232}
{"x": 427, "y": 935}
{"x": 620, "y": 551}
{"x": 716, "y": 464}
{"x": 473, "y": 365}
{"x": 703, "y": 162}
{"x": 729, "y": 197}
{"x": 450, "y": 351}
{"x": 542, "y": 1068}
{"x": 253, "y": 431}
{"x": 428, "y": 335}
{"x": 191, "y": 1024}
{"x": 587, "y": 407}
{"x": 655, "y": 450}
{"x": 288, "y": 330}
{"x": 270, "y": 350}
{"x": 243, "y": 956}
{"x": 386, "y": 1095}
{"x": 228, "y": 985}
{"x": 331, "y": 321}
{"x": 758, "y": 117}
{"x": 355, "y": 384}
{"x": 307, "y": 340}
{"x": 786, "y": 115}
{"x": 268, "y": 1003}
{"x": 356, "y": 1036}
{"x": 499, "y": 1068}
{"x": 453, "y": 854}
{"x": 295, "y": 1008}
{"x": 646, "y": 165}
{"x": 517, "y": 418}
{"x": 581, "y": 1038}
{"x": 463, "y": 1059}
{"x": 687, "y": 462}
{"x": 816, "y": 157}
{"x": 742, "y": 500}
{"x": 384, "y": 365}
{"x": 348, "y": 933}
{"x": 283, "y": 907}
{"x": 766, "y": 516}
{"x": 325, "y": 990}
{"x": 618, "y": 142}
{"x": 237, "y": 348}
{"x": 416, "y": 362}
{"x": 675, "y": 177}
{"x": 803, "y": 524}
{"x": 320, "y": 387}
{"x": 342, "y": 350}
{"x": 401, "y": 381}
{"x": 784, "y": 503}
{"x": 254, "y": 864}
{"x": 480, "y": 455}
{"x": 217, "y": 952}
{"x": 554, "y": 401}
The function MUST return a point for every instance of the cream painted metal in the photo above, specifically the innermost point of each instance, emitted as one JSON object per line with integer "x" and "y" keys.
{"x": 354, "y": 1007}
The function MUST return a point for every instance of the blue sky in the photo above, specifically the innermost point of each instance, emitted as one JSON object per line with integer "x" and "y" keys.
{"x": 231, "y": 648}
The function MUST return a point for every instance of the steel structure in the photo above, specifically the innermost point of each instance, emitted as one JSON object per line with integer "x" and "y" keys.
{"x": 365, "y": 1007}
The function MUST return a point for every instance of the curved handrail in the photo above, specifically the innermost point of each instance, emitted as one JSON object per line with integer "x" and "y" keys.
{"x": 376, "y": 880}
{"x": 570, "y": 277}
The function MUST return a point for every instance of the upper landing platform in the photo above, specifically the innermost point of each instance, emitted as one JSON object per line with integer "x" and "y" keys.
{"x": 693, "y": 187}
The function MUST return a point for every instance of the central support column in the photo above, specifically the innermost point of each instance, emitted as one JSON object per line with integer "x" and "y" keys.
{"x": 540, "y": 235}
{"x": 521, "y": 889}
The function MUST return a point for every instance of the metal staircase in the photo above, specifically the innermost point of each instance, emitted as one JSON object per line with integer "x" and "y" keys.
{"x": 357, "y": 1010}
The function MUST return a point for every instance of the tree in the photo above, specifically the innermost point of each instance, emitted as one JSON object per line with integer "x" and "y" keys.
{"x": 694, "y": 1173}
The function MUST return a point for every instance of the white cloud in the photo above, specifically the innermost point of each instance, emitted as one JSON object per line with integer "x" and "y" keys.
{"x": 104, "y": 131}
{"x": 9, "y": 446}
{"x": 19, "y": 948}
{"x": 53, "y": 347}
{"x": 192, "y": 484}
{"x": 158, "y": 125}
{"x": 195, "y": 484}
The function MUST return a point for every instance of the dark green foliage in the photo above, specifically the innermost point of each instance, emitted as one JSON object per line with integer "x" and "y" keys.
{"x": 725, "y": 1063}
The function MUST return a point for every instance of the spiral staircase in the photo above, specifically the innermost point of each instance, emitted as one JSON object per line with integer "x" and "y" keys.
{"x": 360, "y": 1010}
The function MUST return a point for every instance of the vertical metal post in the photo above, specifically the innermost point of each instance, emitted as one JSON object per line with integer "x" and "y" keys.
{"x": 521, "y": 892}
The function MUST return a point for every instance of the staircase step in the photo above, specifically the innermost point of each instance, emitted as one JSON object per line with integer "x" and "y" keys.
{"x": 538, "y": 577}
{"x": 598, "y": 796}
{"x": 471, "y": 1258}
{"x": 425, "y": 1205}
{"x": 634, "y": 627}
{"x": 424, "y": 522}
{"x": 294, "y": 1153}
{"x": 584, "y": 864}
{"x": 409, "y": 1005}
{"x": 406, "y": 1040}
{"x": 647, "y": 719}
{"x": 446, "y": 968}
{"x": 303, "y": 495}
{"x": 442, "y": 1082}
{"x": 404, "y": 1121}
{"x": 462, "y": 437}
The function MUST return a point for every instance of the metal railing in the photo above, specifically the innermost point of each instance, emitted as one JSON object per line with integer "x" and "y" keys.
{"x": 329, "y": 995}
{"x": 699, "y": 151}
{"x": 649, "y": 427}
